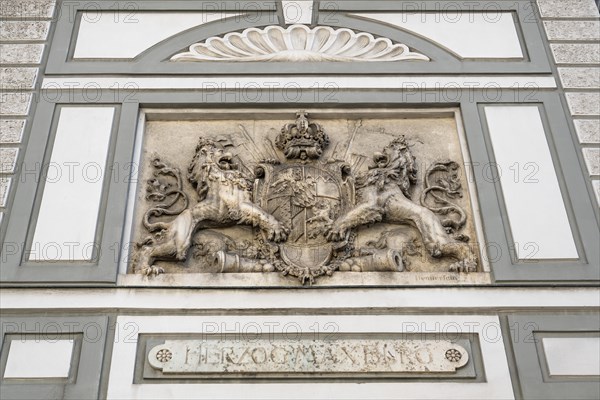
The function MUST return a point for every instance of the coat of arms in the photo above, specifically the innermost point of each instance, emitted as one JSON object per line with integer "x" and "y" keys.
{"x": 305, "y": 209}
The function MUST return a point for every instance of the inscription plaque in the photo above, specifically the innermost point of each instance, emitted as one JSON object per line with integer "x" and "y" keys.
{"x": 282, "y": 356}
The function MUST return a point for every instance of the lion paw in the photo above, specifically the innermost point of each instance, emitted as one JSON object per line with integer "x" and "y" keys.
{"x": 277, "y": 234}
{"x": 464, "y": 266}
{"x": 336, "y": 234}
{"x": 152, "y": 271}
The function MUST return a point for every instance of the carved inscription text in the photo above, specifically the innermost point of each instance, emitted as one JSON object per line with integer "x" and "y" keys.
{"x": 306, "y": 356}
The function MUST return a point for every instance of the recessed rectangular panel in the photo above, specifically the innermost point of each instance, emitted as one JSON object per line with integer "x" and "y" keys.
{"x": 364, "y": 143}
{"x": 67, "y": 219}
{"x": 39, "y": 359}
{"x": 572, "y": 356}
{"x": 297, "y": 12}
{"x": 125, "y": 34}
{"x": 347, "y": 356}
{"x": 467, "y": 34}
{"x": 536, "y": 211}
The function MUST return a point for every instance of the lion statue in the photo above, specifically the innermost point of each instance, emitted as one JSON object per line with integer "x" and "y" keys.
{"x": 224, "y": 199}
{"x": 383, "y": 195}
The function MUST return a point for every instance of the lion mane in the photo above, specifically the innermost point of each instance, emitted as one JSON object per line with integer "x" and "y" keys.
{"x": 395, "y": 164}
{"x": 384, "y": 196}
{"x": 224, "y": 198}
{"x": 212, "y": 164}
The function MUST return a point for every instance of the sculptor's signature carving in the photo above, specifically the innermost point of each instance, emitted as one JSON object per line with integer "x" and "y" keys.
{"x": 305, "y": 210}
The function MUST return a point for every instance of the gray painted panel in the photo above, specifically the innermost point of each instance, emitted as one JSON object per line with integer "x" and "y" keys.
{"x": 580, "y": 209}
{"x": 22, "y": 217}
{"x": 522, "y": 329}
{"x": 89, "y": 332}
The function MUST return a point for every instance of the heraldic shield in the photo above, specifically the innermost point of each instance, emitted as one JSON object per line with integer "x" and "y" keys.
{"x": 306, "y": 198}
{"x": 305, "y": 208}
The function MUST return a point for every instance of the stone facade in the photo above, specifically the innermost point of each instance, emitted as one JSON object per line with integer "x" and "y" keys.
{"x": 572, "y": 28}
{"x": 160, "y": 163}
{"x": 27, "y": 22}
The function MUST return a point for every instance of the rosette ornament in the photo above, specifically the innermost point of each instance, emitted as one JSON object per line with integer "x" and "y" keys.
{"x": 298, "y": 43}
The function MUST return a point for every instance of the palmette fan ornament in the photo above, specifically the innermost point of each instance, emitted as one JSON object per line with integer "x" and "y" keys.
{"x": 298, "y": 43}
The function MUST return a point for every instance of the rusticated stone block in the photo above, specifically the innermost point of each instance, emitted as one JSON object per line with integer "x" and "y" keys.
{"x": 8, "y": 160}
{"x": 23, "y": 30}
{"x": 20, "y": 78}
{"x": 584, "y": 103}
{"x": 21, "y": 53}
{"x": 4, "y": 187}
{"x": 588, "y": 130}
{"x": 576, "y": 53}
{"x": 11, "y": 130}
{"x": 572, "y": 30}
{"x": 14, "y": 103}
{"x": 27, "y": 9}
{"x": 596, "y": 185}
{"x": 567, "y": 8}
{"x": 580, "y": 78}
{"x": 592, "y": 159}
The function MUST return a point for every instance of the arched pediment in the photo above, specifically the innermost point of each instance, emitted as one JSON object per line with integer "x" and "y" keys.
{"x": 400, "y": 51}
{"x": 242, "y": 42}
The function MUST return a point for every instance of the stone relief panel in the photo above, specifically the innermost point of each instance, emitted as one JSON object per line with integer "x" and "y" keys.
{"x": 306, "y": 198}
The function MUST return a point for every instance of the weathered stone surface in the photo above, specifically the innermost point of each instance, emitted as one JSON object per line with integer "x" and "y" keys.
{"x": 23, "y": 30}
{"x": 42, "y": 9}
{"x": 11, "y": 130}
{"x": 14, "y": 103}
{"x": 306, "y": 195}
{"x": 19, "y": 78}
{"x": 588, "y": 130}
{"x": 8, "y": 160}
{"x": 572, "y": 30}
{"x": 592, "y": 159}
{"x": 337, "y": 280}
{"x": 576, "y": 53}
{"x": 21, "y": 53}
{"x": 294, "y": 357}
{"x": 568, "y": 8}
{"x": 4, "y": 188}
{"x": 584, "y": 103}
{"x": 596, "y": 185}
{"x": 580, "y": 78}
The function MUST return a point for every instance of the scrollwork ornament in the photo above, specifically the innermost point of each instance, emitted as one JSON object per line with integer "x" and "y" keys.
{"x": 304, "y": 210}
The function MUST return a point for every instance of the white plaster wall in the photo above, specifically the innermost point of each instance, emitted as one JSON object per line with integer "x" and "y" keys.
{"x": 497, "y": 384}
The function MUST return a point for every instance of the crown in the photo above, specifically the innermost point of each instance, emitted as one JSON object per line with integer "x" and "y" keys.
{"x": 302, "y": 139}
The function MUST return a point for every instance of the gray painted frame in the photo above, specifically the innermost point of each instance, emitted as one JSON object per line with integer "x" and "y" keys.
{"x": 522, "y": 328}
{"x": 15, "y": 267}
{"x": 86, "y": 384}
{"x": 580, "y": 209}
{"x": 472, "y": 372}
{"x": 155, "y": 59}
{"x": 506, "y": 269}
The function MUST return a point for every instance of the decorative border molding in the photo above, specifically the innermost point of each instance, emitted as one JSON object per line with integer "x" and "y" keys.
{"x": 298, "y": 43}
